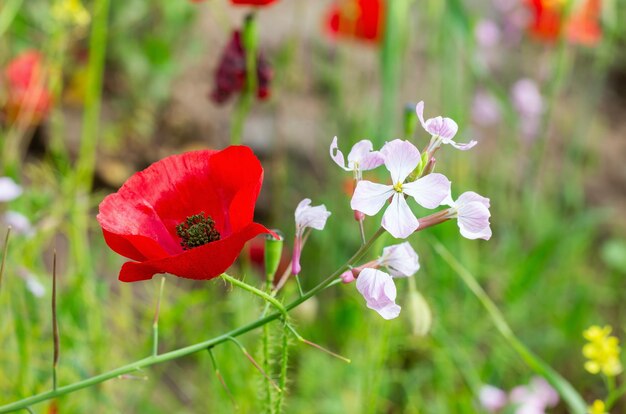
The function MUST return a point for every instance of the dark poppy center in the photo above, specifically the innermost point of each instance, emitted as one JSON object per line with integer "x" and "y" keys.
{"x": 197, "y": 230}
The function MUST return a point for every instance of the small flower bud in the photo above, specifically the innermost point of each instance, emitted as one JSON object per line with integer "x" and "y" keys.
{"x": 348, "y": 276}
{"x": 430, "y": 166}
{"x": 358, "y": 215}
{"x": 420, "y": 315}
{"x": 273, "y": 253}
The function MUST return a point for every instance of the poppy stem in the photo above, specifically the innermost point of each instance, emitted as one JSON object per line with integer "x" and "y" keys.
{"x": 5, "y": 251}
{"x": 249, "y": 41}
{"x": 255, "y": 291}
{"x": 155, "y": 323}
{"x": 190, "y": 349}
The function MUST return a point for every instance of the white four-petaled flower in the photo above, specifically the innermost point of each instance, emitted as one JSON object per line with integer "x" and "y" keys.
{"x": 361, "y": 157}
{"x": 379, "y": 292}
{"x": 9, "y": 190}
{"x": 472, "y": 213}
{"x": 400, "y": 158}
{"x": 306, "y": 217}
{"x": 442, "y": 130}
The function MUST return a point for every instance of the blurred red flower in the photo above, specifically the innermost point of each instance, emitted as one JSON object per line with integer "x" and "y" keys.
{"x": 582, "y": 26}
{"x": 253, "y": 2}
{"x": 230, "y": 75}
{"x": 188, "y": 215}
{"x": 361, "y": 19}
{"x": 26, "y": 91}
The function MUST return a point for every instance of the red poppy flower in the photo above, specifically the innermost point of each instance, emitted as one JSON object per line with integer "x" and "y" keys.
{"x": 581, "y": 26}
{"x": 26, "y": 91}
{"x": 361, "y": 19}
{"x": 188, "y": 215}
{"x": 253, "y": 2}
{"x": 230, "y": 76}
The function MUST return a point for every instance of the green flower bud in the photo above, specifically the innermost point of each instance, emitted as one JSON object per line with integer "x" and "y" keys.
{"x": 273, "y": 253}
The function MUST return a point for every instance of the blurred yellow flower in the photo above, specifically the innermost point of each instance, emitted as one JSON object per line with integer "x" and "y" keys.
{"x": 597, "y": 408}
{"x": 71, "y": 12}
{"x": 602, "y": 351}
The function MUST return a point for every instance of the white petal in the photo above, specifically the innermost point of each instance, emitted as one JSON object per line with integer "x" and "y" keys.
{"x": 359, "y": 150}
{"x": 491, "y": 398}
{"x": 19, "y": 223}
{"x": 9, "y": 190}
{"x": 400, "y": 259}
{"x": 307, "y": 216}
{"x": 465, "y": 146}
{"x": 379, "y": 292}
{"x": 401, "y": 158}
{"x": 398, "y": 219}
{"x": 429, "y": 191}
{"x": 469, "y": 196}
{"x": 419, "y": 109}
{"x": 337, "y": 155}
{"x": 473, "y": 221}
{"x": 369, "y": 197}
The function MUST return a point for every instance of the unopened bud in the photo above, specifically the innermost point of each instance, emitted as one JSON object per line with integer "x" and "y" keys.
{"x": 430, "y": 166}
{"x": 410, "y": 120}
{"x": 419, "y": 312}
{"x": 273, "y": 253}
{"x": 359, "y": 215}
{"x": 347, "y": 276}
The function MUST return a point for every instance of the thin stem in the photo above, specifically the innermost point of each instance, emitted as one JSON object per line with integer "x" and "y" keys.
{"x": 255, "y": 291}
{"x": 615, "y": 395}
{"x": 55, "y": 324}
{"x": 155, "y": 323}
{"x": 362, "y": 231}
{"x": 575, "y": 402}
{"x": 5, "y": 251}
{"x": 314, "y": 345}
{"x": 220, "y": 378}
{"x": 188, "y": 350}
{"x": 253, "y": 362}
{"x": 249, "y": 41}
{"x": 299, "y": 286}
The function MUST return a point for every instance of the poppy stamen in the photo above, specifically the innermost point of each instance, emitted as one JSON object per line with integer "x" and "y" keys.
{"x": 197, "y": 230}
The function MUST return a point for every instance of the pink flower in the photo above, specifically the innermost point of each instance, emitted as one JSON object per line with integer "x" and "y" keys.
{"x": 379, "y": 292}
{"x": 401, "y": 158}
{"x": 472, "y": 213}
{"x": 487, "y": 34}
{"x": 534, "y": 398}
{"x": 442, "y": 130}
{"x": 528, "y": 102}
{"x": 400, "y": 259}
{"x": 485, "y": 109}
{"x": 492, "y": 399}
{"x": 361, "y": 157}
{"x": 306, "y": 217}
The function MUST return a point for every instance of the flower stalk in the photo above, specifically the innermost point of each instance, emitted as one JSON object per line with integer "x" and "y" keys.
{"x": 331, "y": 280}
{"x": 4, "y": 254}
{"x": 249, "y": 41}
{"x": 155, "y": 323}
{"x": 55, "y": 323}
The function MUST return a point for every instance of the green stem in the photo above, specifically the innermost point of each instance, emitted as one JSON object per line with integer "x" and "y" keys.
{"x": 9, "y": 11}
{"x": 93, "y": 96}
{"x": 282, "y": 383}
{"x": 188, "y": 350}
{"x": 255, "y": 291}
{"x": 5, "y": 250}
{"x": 155, "y": 323}
{"x": 299, "y": 285}
{"x": 575, "y": 402}
{"x": 615, "y": 395}
{"x": 249, "y": 38}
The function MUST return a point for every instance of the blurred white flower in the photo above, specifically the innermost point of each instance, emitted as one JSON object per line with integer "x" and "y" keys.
{"x": 306, "y": 216}
{"x": 492, "y": 399}
{"x": 19, "y": 223}
{"x": 485, "y": 109}
{"x": 9, "y": 190}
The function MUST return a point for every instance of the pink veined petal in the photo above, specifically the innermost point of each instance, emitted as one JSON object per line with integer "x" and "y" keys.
{"x": 359, "y": 151}
{"x": 398, "y": 219}
{"x": 337, "y": 155}
{"x": 369, "y": 197}
{"x": 464, "y": 146}
{"x": 473, "y": 221}
{"x": 429, "y": 191}
{"x": 469, "y": 196}
{"x": 401, "y": 158}
{"x": 419, "y": 110}
{"x": 445, "y": 128}
{"x": 400, "y": 259}
{"x": 371, "y": 160}
{"x": 379, "y": 292}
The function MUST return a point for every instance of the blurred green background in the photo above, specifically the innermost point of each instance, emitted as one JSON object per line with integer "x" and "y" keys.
{"x": 131, "y": 82}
